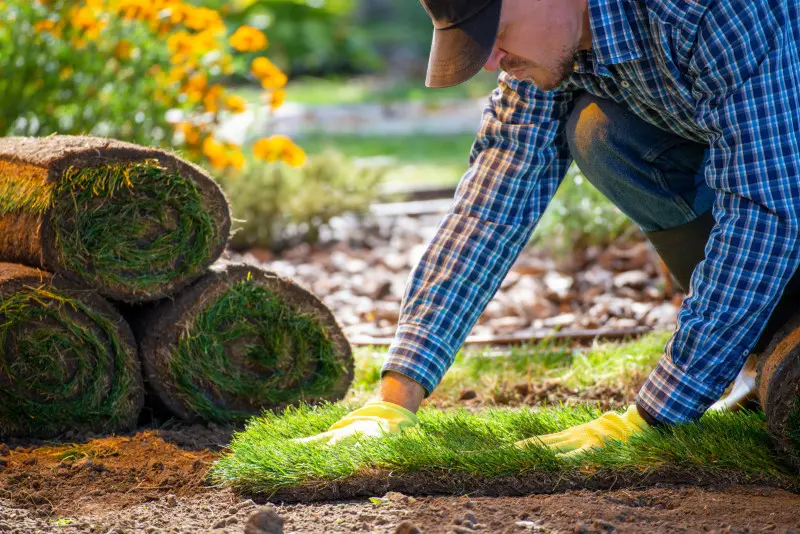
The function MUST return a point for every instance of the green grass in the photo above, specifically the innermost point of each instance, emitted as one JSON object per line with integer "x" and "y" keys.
{"x": 281, "y": 356}
{"x": 331, "y": 91}
{"x": 65, "y": 375}
{"x": 459, "y": 450}
{"x": 423, "y": 159}
{"x": 122, "y": 225}
{"x": 604, "y": 363}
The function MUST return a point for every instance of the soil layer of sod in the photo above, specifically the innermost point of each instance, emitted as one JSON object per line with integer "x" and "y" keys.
{"x": 238, "y": 341}
{"x": 779, "y": 389}
{"x": 134, "y": 223}
{"x": 67, "y": 359}
{"x": 458, "y": 452}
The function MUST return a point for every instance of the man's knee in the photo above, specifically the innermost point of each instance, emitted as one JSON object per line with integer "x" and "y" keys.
{"x": 588, "y": 133}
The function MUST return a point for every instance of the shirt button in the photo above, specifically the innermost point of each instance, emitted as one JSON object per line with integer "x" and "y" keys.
{"x": 625, "y": 84}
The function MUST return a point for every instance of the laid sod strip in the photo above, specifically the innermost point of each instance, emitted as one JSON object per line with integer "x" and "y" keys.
{"x": 134, "y": 223}
{"x": 779, "y": 389}
{"x": 67, "y": 359}
{"x": 241, "y": 340}
{"x": 457, "y": 452}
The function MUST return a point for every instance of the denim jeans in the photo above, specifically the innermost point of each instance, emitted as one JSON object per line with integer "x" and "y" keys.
{"x": 653, "y": 176}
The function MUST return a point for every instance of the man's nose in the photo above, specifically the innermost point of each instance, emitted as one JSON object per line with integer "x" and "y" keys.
{"x": 493, "y": 63}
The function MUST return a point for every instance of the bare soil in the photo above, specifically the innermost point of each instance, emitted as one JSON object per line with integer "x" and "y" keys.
{"x": 153, "y": 482}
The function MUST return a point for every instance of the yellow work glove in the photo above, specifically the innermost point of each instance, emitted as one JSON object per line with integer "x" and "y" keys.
{"x": 374, "y": 419}
{"x": 579, "y": 439}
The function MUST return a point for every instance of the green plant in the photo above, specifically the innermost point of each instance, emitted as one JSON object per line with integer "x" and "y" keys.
{"x": 277, "y": 205}
{"x": 578, "y": 216}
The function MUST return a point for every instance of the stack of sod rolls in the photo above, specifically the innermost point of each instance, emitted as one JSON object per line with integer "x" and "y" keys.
{"x": 141, "y": 228}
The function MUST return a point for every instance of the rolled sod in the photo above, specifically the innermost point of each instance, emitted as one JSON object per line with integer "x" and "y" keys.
{"x": 67, "y": 358}
{"x": 134, "y": 223}
{"x": 779, "y": 389}
{"x": 238, "y": 341}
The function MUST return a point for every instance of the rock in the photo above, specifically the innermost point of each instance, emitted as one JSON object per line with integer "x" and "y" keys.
{"x": 407, "y": 527}
{"x": 4, "y": 450}
{"x": 398, "y": 498}
{"x": 662, "y": 315}
{"x": 558, "y": 285}
{"x": 635, "y": 279}
{"x": 172, "y": 500}
{"x": 265, "y": 521}
{"x": 467, "y": 394}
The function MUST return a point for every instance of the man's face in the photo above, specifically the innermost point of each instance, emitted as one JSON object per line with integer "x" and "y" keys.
{"x": 538, "y": 40}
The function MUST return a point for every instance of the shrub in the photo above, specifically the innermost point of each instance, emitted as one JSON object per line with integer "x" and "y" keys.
{"x": 277, "y": 205}
{"x": 578, "y": 216}
{"x": 116, "y": 67}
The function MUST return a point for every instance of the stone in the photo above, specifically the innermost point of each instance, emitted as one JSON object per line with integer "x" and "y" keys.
{"x": 407, "y": 527}
{"x": 265, "y": 521}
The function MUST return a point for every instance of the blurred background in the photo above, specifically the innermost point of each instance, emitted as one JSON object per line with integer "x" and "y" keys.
{"x": 314, "y": 117}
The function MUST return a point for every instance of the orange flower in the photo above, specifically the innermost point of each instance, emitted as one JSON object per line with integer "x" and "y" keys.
{"x": 123, "y": 50}
{"x": 137, "y": 10}
{"x": 215, "y": 152}
{"x": 248, "y": 39}
{"x": 212, "y": 97}
{"x": 190, "y": 133}
{"x": 276, "y": 99}
{"x": 235, "y": 158}
{"x": 181, "y": 45}
{"x": 195, "y": 86}
{"x": 236, "y": 103}
{"x": 294, "y": 156}
{"x": 84, "y": 20}
{"x": 279, "y": 147}
{"x": 45, "y": 26}
{"x": 270, "y": 76}
{"x": 202, "y": 18}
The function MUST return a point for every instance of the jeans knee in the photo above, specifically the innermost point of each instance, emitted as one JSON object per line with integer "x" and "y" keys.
{"x": 588, "y": 132}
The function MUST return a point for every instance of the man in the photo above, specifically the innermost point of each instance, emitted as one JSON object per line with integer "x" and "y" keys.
{"x": 685, "y": 114}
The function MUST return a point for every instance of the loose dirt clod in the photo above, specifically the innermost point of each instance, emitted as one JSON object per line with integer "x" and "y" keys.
{"x": 779, "y": 389}
{"x": 67, "y": 358}
{"x": 134, "y": 223}
{"x": 241, "y": 340}
{"x": 266, "y": 521}
{"x": 407, "y": 527}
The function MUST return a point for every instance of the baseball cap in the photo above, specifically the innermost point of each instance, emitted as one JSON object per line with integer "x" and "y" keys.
{"x": 464, "y": 32}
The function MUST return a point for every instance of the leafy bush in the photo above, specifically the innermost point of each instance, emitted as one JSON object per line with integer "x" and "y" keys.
{"x": 277, "y": 205}
{"x": 578, "y": 216}
{"x": 116, "y": 67}
{"x": 311, "y": 37}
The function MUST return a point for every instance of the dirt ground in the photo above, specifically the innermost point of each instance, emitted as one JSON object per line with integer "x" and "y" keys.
{"x": 153, "y": 482}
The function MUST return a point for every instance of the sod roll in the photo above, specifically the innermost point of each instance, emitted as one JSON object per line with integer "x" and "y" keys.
{"x": 238, "y": 341}
{"x": 134, "y": 223}
{"x": 67, "y": 358}
{"x": 779, "y": 389}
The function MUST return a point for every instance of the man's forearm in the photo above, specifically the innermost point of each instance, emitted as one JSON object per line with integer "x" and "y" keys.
{"x": 399, "y": 389}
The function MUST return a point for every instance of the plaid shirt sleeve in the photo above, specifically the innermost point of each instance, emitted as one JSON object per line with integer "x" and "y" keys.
{"x": 748, "y": 97}
{"x": 518, "y": 160}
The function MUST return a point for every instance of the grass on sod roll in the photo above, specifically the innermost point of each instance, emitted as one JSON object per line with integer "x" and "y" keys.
{"x": 132, "y": 222}
{"x": 64, "y": 365}
{"x": 459, "y": 452}
{"x": 282, "y": 345}
{"x": 238, "y": 341}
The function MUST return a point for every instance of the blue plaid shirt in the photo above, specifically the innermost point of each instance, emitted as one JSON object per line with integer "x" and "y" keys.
{"x": 725, "y": 73}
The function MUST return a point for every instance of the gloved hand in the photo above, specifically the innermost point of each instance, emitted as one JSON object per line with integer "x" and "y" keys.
{"x": 374, "y": 419}
{"x": 579, "y": 439}
{"x": 744, "y": 388}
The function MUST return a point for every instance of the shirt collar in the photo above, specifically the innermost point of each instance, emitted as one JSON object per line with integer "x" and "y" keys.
{"x": 613, "y": 37}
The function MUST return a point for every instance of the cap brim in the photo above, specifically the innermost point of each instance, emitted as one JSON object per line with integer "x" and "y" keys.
{"x": 459, "y": 53}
